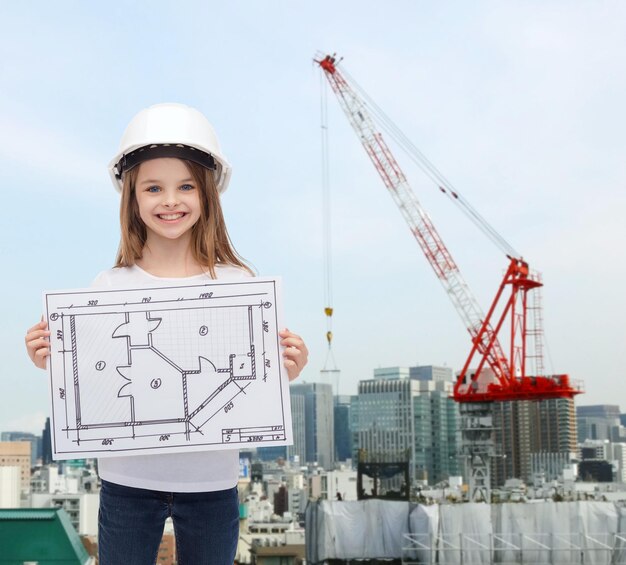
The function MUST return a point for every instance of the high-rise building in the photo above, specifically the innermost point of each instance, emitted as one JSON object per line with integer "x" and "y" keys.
{"x": 437, "y": 437}
{"x": 17, "y": 454}
{"x": 618, "y": 457}
{"x": 298, "y": 449}
{"x": 606, "y": 411}
{"x": 271, "y": 453}
{"x": 35, "y": 442}
{"x": 511, "y": 440}
{"x": 298, "y": 426}
{"x": 401, "y": 410}
{"x": 599, "y": 421}
{"x": 46, "y": 444}
{"x": 392, "y": 373}
{"x": 527, "y": 432}
{"x": 318, "y": 422}
{"x": 343, "y": 433}
{"x": 431, "y": 373}
{"x": 382, "y": 415}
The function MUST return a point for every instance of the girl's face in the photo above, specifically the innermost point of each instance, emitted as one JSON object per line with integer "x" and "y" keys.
{"x": 168, "y": 198}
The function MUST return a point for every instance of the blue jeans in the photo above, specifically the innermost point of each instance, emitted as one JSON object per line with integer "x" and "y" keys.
{"x": 131, "y": 520}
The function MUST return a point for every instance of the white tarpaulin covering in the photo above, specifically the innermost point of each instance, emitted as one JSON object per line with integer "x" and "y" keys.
{"x": 424, "y": 523}
{"x": 557, "y": 533}
{"x": 464, "y": 527}
{"x": 357, "y": 530}
{"x": 544, "y": 532}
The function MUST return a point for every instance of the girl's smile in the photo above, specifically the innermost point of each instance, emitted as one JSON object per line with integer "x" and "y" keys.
{"x": 171, "y": 217}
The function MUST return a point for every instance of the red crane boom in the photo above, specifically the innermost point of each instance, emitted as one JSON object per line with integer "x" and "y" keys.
{"x": 496, "y": 376}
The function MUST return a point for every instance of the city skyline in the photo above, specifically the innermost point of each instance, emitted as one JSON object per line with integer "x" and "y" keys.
{"x": 383, "y": 418}
{"x": 519, "y": 105}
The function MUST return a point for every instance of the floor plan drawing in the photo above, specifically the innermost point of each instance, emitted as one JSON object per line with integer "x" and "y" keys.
{"x": 167, "y": 369}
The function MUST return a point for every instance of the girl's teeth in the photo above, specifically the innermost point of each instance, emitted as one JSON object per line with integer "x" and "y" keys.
{"x": 170, "y": 216}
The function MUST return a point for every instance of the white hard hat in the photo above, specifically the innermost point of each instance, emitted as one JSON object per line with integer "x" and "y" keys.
{"x": 170, "y": 130}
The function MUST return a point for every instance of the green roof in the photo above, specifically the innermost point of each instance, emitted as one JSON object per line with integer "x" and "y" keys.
{"x": 31, "y": 514}
{"x": 44, "y": 535}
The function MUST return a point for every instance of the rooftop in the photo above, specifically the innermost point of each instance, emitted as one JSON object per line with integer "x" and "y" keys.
{"x": 42, "y": 535}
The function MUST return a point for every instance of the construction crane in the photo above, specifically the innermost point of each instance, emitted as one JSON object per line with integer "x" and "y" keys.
{"x": 490, "y": 373}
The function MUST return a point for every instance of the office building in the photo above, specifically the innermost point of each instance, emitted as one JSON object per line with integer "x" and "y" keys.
{"x": 606, "y": 411}
{"x": 319, "y": 443}
{"x": 46, "y": 444}
{"x": 599, "y": 421}
{"x": 618, "y": 460}
{"x": 343, "y": 433}
{"x": 35, "y": 442}
{"x": 297, "y": 451}
{"x": 17, "y": 454}
{"x": 396, "y": 412}
{"x": 431, "y": 373}
{"x": 437, "y": 437}
{"x": 273, "y": 453}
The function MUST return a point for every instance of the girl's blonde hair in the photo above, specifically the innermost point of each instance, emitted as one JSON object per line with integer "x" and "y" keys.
{"x": 210, "y": 242}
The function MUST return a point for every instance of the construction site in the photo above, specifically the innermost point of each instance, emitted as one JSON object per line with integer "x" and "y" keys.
{"x": 471, "y": 533}
{"x": 510, "y": 407}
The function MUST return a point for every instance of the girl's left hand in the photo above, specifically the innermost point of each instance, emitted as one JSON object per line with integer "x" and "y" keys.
{"x": 296, "y": 354}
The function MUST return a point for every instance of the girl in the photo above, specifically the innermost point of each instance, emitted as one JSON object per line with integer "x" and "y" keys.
{"x": 170, "y": 172}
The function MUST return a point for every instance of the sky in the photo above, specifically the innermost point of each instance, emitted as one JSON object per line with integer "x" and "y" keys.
{"x": 520, "y": 104}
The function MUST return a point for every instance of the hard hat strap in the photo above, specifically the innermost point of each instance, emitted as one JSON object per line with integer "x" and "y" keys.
{"x": 132, "y": 159}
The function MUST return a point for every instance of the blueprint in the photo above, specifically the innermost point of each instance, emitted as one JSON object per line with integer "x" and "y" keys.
{"x": 167, "y": 369}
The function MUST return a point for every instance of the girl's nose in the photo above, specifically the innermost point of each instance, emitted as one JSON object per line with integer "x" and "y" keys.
{"x": 170, "y": 198}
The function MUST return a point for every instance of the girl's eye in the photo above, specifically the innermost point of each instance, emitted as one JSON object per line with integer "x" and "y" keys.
{"x": 153, "y": 189}
{"x": 186, "y": 187}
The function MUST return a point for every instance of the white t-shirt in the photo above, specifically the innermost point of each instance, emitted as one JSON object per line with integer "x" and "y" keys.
{"x": 198, "y": 471}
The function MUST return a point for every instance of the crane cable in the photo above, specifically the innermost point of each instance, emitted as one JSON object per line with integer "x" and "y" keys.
{"x": 329, "y": 364}
{"x": 430, "y": 170}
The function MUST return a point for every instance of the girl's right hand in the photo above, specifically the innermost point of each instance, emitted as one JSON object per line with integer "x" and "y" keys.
{"x": 38, "y": 344}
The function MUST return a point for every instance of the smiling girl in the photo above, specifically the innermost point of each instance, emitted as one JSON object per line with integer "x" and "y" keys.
{"x": 171, "y": 172}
